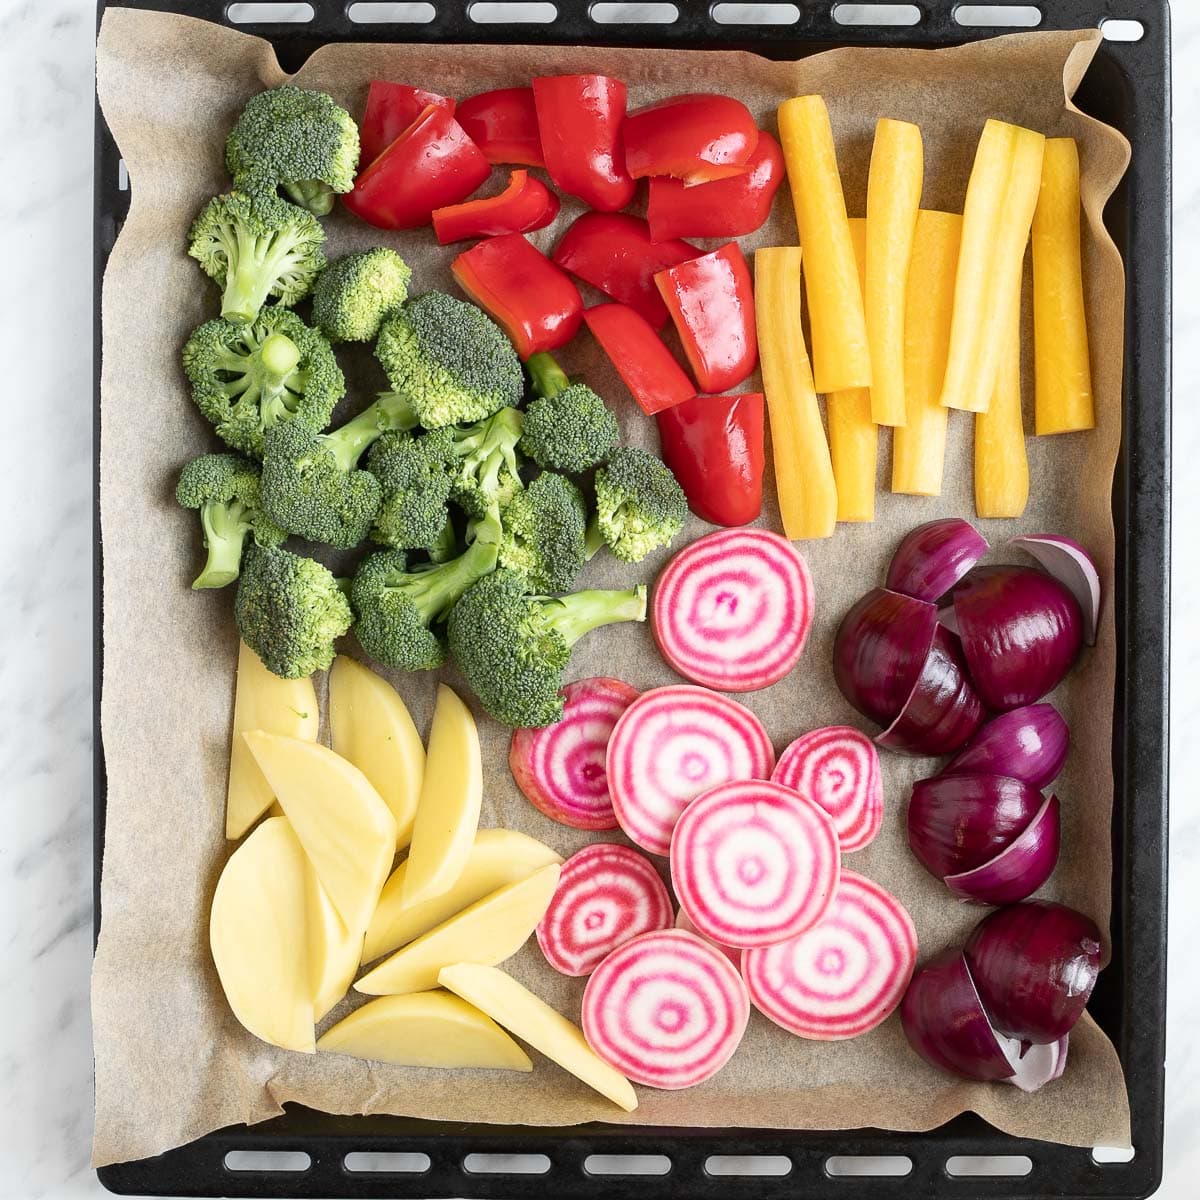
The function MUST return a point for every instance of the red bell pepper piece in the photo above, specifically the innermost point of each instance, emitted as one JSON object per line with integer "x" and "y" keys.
{"x": 503, "y": 124}
{"x": 711, "y": 301}
{"x": 613, "y": 252}
{"x": 725, "y": 208}
{"x": 391, "y": 109}
{"x": 535, "y": 302}
{"x": 714, "y": 445}
{"x": 641, "y": 358}
{"x": 526, "y": 203}
{"x": 431, "y": 164}
{"x": 579, "y": 121}
{"x": 696, "y": 138}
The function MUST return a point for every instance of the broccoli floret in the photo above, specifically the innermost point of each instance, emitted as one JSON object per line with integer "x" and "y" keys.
{"x": 224, "y": 487}
{"x": 451, "y": 359}
{"x": 396, "y": 605}
{"x": 289, "y": 611}
{"x": 513, "y": 647}
{"x": 481, "y": 460}
{"x": 246, "y": 377}
{"x": 356, "y": 292}
{"x": 256, "y": 248}
{"x": 639, "y": 505}
{"x": 296, "y": 139}
{"x": 544, "y": 530}
{"x": 311, "y": 484}
{"x": 568, "y": 427}
{"x": 416, "y": 493}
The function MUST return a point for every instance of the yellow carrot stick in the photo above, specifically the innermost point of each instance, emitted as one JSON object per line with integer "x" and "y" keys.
{"x": 1001, "y": 466}
{"x": 841, "y": 353}
{"x": 803, "y": 470}
{"x": 853, "y": 435}
{"x": 1062, "y": 366}
{"x": 919, "y": 446}
{"x": 893, "y": 200}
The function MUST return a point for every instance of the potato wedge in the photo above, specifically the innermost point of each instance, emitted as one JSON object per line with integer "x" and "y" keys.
{"x": 333, "y": 950}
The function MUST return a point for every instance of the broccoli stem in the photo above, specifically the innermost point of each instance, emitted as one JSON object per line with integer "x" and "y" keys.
{"x": 349, "y": 442}
{"x": 312, "y": 194}
{"x": 279, "y": 356}
{"x": 444, "y": 547}
{"x": 225, "y": 530}
{"x": 593, "y": 539}
{"x": 256, "y": 266}
{"x": 581, "y": 612}
{"x": 549, "y": 379}
{"x": 435, "y": 591}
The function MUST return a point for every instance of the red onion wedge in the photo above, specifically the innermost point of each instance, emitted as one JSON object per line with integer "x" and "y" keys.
{"x": 732, "y": 611}
{"x": 1028, "y": 743}
{"x": 1035, "y": 965}
{"x": 1021, "y": 631}
{"x": 666, "y": 1009}
{"x": 1020, "y": 868}
{"x": 684, "y": 922}
{"x": 561, "y": 768}
{"x": 837, "y": 768}
{"x": 753, "y": 863}
{"x": 845, "y": 975}
{"x": 1073, "y": 567}
{"x": 672, "y": 744}
{"x": 606, "y": 894}
{"x": 934, "y": 557}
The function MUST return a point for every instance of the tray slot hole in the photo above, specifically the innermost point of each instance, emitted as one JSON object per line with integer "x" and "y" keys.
{"x": 633, "y": 14}
{"x": 627, "y": 1164}
{"x": 506, "y": 1164}
{"x": 122, "y": 176}
{"x": 1107, "y": 1156}
{"x": 849, "y": 1166}
{"x": 1118, "y": 29}
{"x": 270, "y": 14}
{"x": 267, "y": 1160}
{"x": 877, "y": 14}
{"x": 747, "y": 1164}
{"x": 386, "y": 1164}
{"x": 983, "y": 1164}
{"x": 755, "y": 14}
{"x": 1019, "y": 16}
{"x": 496, "y": 13}
{"x": 368, "y": 12}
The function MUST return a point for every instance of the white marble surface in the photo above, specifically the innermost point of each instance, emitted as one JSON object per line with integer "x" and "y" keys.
{"x": 46, "y": 92}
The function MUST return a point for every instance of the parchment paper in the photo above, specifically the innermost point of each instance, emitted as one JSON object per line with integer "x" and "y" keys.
{"x": 171, "y": 1061}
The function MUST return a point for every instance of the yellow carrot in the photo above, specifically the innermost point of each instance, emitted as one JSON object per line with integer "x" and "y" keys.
{"x": 1001, "y": 467}
{"x": 803, "y": 471}
{"x": 893, "y": 200}
{"x": 853, "y": 435}
{"x": 919, "y": 446}
{"x": 1062, "y": 367}
{"x": 841, "y": 353}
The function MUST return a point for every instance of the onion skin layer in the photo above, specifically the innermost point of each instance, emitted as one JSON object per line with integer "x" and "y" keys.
{"x": 933, "y": 557}
{"x": 1029, "y": 743}
{"x": 1074, "y": 568}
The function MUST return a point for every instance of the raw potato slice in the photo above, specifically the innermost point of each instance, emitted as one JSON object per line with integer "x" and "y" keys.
{"x": 498, "y": 857}
{"x": 345, "y": 828}
{"x": 534, "y": 1021}
{"x": 372, "y": 729}
{"x": 451, "y": 796}
{"x": 490, "y": 931}
{"x": 333, "y": 950}
{"x": 425, "y": 1029}
{"x": 262, "y": 701}
{"x": 257, "y": 933}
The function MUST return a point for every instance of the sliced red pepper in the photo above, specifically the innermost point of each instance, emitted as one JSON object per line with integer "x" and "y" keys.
{"x": 535, "y": 302}
{"x": 711, "y": 301}
{"x": 714, "y": 445}
{"x": 391, "y": 109}
{"x": 725, "y": 208}
{"x": 614, "y": 252}
{"x": 431, "y": 164}
{"x": 503, "y": 124}
{"x": 641, "y": 358}
{"x": 579, "y": 122}
{"x": 696, "y": 138}
{"x": 526, "y": 203}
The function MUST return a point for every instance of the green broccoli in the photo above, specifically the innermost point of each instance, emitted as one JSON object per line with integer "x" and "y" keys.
{"x": 356, "y": 292}
{"x": 396, "y": 606}
{"x": 416, "y": 493}
{"x": 445, "y": 547}
{"x": 296, "y": 139}
{"x": 451, "y": 359}
{"x": 544, "y": 531}
{"x": 257, "y": 247}
{"x": 311, "y": 484}
{"x": 569, "y": 427}
{"x": 289, "y": 611}
{"x": 513, "y": 647}
{"x": 639, "y": 505}
{"x": 481, "y": 459}
{"x": 224, "y": 487}
{"x": 246, "y": 377}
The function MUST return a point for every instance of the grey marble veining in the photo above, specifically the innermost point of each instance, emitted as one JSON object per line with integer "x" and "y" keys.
{"x": 46, "y": 84}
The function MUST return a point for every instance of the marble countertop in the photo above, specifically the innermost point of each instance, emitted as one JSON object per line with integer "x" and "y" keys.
{"x": 46, "y": 86}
